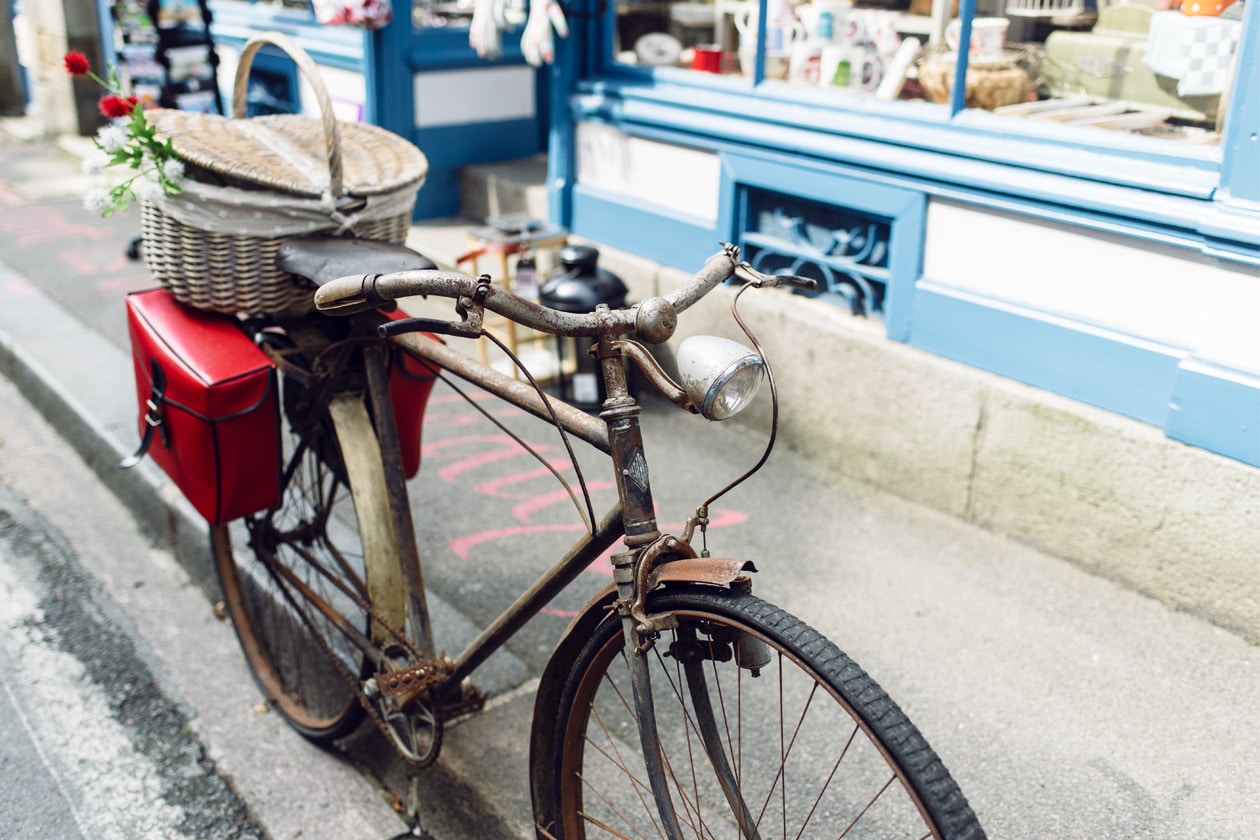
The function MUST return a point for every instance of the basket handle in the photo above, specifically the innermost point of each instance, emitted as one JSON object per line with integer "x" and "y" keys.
{"x": 240, "y": 85}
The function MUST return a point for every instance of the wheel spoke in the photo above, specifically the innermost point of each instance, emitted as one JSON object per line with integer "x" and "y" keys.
{"x": 796, "y": 734}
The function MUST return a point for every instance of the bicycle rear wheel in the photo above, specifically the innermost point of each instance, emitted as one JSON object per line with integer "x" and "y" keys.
{"x": 766, "y": 729}
{"x": 293, "y": 578}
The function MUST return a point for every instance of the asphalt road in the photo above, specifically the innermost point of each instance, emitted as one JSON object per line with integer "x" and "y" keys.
{"x": 1065, "y": 705}
{"x": 126, "y": 710}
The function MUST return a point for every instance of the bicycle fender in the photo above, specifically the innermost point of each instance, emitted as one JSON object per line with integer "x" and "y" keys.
{"x": 716, "y": 571}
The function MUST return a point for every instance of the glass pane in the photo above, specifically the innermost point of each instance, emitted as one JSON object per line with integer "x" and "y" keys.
{"x": 1137, "y": 66}
{"x": 1120, "y": 65}
{"x": 654, "y": 33}
{"x": 441, "y": 13}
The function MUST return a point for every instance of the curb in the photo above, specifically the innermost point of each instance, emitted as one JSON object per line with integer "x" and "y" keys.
{"x": 75, "y": 379}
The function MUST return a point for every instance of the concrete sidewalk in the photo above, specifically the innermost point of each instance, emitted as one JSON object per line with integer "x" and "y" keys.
{"x": 1065, "y": 705}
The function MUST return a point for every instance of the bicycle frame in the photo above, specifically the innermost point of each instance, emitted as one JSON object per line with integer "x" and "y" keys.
{"x": 617, "y": 433}
{"x": 707, "y": 639}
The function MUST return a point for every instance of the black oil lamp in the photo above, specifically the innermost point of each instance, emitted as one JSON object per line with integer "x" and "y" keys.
{"x": 579, "y": 285}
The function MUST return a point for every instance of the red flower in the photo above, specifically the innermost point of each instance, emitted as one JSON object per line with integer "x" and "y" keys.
{"x": 114, "y": 106}
{"x": 76, "y": 63}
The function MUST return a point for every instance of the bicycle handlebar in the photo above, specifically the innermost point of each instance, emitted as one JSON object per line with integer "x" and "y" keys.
{"x": 654, "y": 318}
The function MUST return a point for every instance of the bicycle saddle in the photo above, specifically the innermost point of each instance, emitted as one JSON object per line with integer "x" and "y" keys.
{"x": 322, "y": 259}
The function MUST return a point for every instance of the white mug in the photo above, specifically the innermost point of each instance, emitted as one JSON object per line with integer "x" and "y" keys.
{"x": 988, "y": 35}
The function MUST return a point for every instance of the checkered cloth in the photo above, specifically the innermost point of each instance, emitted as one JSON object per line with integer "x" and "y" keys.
{"x": 1197, "y": 51}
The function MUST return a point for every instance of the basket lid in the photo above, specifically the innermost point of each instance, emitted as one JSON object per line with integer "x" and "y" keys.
{"x": 289, "y": 153}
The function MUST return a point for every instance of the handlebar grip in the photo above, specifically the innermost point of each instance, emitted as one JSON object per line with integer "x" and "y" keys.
{"x": 796, "y": 282}
{"x": 761, "y": 280}
{"x": 349, "y": 295}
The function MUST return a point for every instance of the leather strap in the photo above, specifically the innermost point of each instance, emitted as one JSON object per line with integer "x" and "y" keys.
{"x": 152, "y": 418}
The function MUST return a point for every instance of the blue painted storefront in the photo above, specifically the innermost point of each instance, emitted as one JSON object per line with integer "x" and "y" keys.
{"x": 789, "y": 172}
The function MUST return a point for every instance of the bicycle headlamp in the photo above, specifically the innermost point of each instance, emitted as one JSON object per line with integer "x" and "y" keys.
{"x": 720, "y": 376}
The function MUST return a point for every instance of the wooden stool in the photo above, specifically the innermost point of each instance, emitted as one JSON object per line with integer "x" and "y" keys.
{"x": 503, "y": 238}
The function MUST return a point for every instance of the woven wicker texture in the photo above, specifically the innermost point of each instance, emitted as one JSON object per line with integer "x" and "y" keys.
{"x": 290, "y": 153}
{"x": 988, "y": 87}
{"x": 360, "y": 179}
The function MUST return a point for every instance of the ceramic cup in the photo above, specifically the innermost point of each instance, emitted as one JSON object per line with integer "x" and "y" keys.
{"x": 988, "y": 36}
{"x": 707, "y": 58}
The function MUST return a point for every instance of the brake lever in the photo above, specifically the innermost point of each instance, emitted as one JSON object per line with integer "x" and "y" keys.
{"x": 429, "y": 325}
{"x": 761, "y": 280}
{"x": 469, "y": 309}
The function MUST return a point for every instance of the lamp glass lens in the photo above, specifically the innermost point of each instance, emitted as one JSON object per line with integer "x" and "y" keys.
{"x": 734, "y": 391}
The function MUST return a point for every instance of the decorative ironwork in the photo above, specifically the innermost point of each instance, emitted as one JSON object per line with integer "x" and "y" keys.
{"x": 846, "y": 251}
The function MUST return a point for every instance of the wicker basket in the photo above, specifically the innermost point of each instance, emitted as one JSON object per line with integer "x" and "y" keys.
{"x": 991, "y": 84}
{"x": 257, "y": 182}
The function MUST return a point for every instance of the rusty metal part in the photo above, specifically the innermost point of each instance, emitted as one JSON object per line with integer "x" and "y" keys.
{"x": 647, "y": 626}
{"x": 631, "y": 473}
{"x": 554, "y": 581}
{"x": 656, "y": 375}
{"x": 576, "y": 422}
{"x": 670, "y": 560}
{"x": 467, "y": 700}
{"x": 718, "y": 571}
{"x": 656, "y": 320}
{"x": 650, "y": 740}
{"x": 406, "y": 684}
{"x": 350, "y": 295}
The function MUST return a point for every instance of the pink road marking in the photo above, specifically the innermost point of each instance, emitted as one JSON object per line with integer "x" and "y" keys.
{"x": 462, "y": 546}
{"x": 19, "y": 287}
{"x": 34, "y": 225}
{"x": 508, "y": 449}
{"x": 494, "y": 487}
{"x": 526, "y": 509}
{"x": 85, "y": 263}
{"x": 442, "y": 399}
{"x": 449, "y": 421}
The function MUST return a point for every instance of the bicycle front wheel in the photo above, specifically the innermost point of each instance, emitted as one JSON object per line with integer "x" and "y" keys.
{"x": 294, "y": 578}
{"x": 766, "y": 729}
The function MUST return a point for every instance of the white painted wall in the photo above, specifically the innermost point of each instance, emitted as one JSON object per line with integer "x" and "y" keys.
{"x": 675, "y": 177}
{"x": 1159, "y": 293}
{"x": 461, "y": 97}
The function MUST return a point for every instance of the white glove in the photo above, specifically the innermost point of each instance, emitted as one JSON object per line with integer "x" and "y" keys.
{"x": 483, "y": 31}
{"x": 536, "y": 41}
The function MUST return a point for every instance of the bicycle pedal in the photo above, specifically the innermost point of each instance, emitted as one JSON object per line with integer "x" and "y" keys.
{"x": 410, "y": 682}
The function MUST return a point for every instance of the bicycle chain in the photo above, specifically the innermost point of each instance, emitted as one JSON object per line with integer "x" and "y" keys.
{"x": 436, "y": 668}
{"x": 369, "y": 706}
{"x": 413, "y": 680}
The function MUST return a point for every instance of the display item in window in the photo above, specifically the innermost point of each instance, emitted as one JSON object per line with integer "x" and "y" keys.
{"x": 365, "y": 14}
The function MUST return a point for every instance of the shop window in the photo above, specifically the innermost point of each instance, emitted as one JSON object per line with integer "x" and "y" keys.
{"x": 1155, "y": 67}
{"x": 441, "y": 13}
{"x": 273, "y": 86}
{"x": 846, "y": 251}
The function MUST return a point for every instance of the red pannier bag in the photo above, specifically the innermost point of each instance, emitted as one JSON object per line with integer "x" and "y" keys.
{"x": 410, "y": 382}
{"x": 209, "y": 412}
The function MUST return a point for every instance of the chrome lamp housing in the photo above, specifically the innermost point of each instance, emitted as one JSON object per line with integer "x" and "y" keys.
{"x": 719, "y": 375}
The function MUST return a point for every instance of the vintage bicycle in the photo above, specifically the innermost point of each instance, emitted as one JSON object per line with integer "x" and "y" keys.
{"x": 677, "y": 704}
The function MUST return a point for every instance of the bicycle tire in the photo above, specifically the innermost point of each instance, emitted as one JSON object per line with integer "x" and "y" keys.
{"x": 333, "y": 511}
{"x": 853, "y": 766}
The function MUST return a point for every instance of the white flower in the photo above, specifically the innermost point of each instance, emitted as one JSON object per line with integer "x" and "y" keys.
{"x": 97, "y": 201}
{"x": 113, "y": 138}
{"x": 149, "y": 189}
{"x": 172, "y": 169}
{"x": 93, "y": 165}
